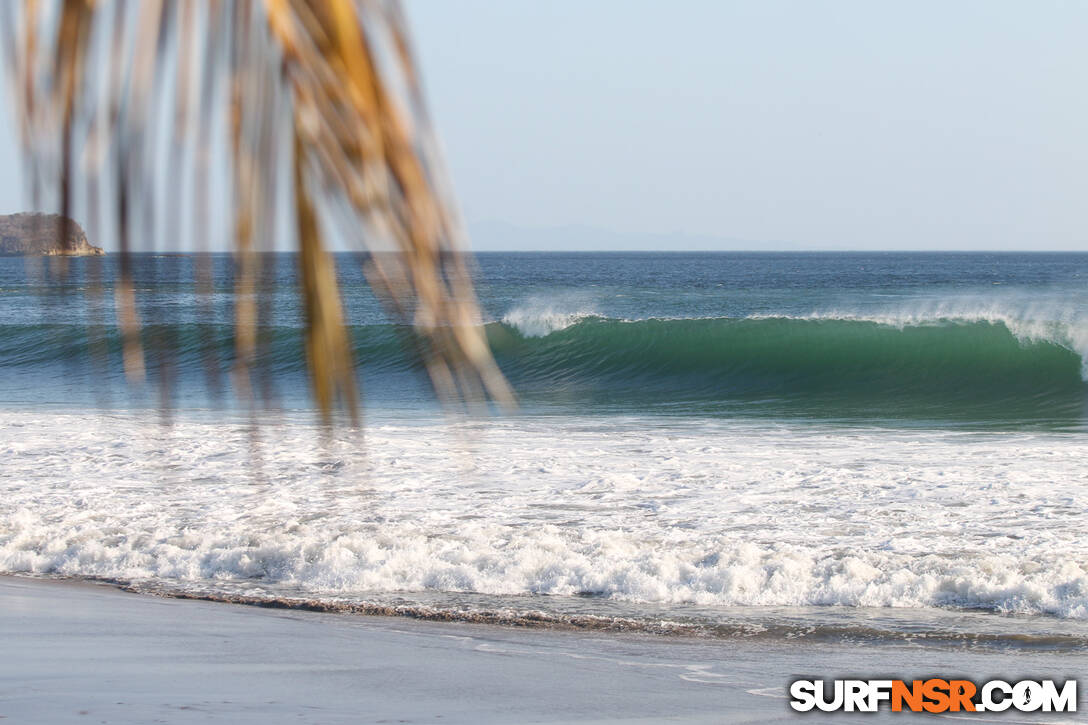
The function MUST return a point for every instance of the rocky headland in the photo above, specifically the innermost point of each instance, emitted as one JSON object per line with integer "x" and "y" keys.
{"x": 40, "y": 235}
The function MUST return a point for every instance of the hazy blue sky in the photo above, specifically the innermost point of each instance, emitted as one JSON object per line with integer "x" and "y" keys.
{"x": 821, "y": 124}
{"x": 859, "y": 124}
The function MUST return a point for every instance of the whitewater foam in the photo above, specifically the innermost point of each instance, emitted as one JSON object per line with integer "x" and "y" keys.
{"x": 714, "y": 514}
{"x": 540, "y": 317}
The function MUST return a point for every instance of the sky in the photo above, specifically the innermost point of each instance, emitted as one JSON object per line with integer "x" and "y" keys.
{"x": 822, "y": 124}
{"x": 757, "y": 125}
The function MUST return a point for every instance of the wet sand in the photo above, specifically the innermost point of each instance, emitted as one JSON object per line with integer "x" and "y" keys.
{"x": 90, "y": 653}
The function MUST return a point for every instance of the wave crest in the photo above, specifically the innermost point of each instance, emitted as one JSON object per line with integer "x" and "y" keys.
{"x": 540, "y": 318}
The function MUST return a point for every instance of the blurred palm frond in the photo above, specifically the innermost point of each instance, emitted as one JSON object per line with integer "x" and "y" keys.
{"x": 131, "y": 112}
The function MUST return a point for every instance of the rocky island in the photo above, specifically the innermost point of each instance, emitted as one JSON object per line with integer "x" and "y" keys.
{"x": 40, "y": 235}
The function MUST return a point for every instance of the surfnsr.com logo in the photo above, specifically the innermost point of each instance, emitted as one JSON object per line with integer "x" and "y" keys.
{"x": 933, "y": 695}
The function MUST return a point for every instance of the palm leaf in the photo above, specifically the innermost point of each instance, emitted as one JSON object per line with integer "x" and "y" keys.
{"x": 318, "y": 100}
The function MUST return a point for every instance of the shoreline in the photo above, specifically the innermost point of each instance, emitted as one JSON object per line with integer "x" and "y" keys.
{"x": 813, "y": 625}
{"x": 80, "y": 651}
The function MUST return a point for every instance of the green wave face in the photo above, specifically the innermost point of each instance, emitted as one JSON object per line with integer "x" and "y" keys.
{"x": 818, "y": 367}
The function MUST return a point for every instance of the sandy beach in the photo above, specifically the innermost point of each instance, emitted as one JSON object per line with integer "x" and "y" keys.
{"x": 90, "y": 653}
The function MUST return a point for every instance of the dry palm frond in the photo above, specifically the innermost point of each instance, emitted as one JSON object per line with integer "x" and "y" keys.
{"x": 319, "y": 99}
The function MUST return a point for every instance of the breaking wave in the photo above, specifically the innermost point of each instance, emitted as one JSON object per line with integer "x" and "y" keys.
{"x": 980, "y": 367}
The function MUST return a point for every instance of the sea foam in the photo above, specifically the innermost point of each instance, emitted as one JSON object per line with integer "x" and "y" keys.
{"x": 714, "y": 514}
{"x": 540, "y": 317}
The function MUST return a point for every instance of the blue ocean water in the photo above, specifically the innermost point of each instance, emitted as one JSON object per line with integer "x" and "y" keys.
{"x": 820, "y": 446}
{"x": 930, "y": 339}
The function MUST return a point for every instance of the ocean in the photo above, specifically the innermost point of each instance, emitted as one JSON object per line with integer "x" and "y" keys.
{"x": 802, "y": 446}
